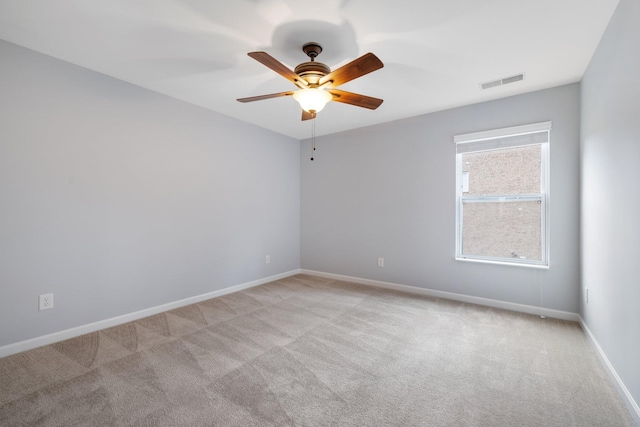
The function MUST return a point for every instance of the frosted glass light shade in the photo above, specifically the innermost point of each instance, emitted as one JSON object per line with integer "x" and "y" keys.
{"x": 312, "y": 100}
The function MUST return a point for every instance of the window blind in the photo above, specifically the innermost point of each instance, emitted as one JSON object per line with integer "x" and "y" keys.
{"x": 516, "y": 136}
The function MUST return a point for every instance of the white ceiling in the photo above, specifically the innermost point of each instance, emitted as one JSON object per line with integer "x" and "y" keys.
{"x": 436, "y": 52}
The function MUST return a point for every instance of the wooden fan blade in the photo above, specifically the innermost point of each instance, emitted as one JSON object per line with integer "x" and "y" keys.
{"x": 354, "y": 69}
{"x": 269, "y": 61}
{"x": 261, "y": 97}
{"x": 355, "y": 99}
{"x": 308, "y": 116}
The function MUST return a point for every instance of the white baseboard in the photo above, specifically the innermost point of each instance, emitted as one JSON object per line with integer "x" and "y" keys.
{"x": 29, "y": 344}
{"x": 523, "y": 308}
{"x": 631, "y": 403}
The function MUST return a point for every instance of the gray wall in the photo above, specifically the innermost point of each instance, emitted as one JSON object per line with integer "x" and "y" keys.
{"x": 118, "y": 199}
{"x": 389, "y": 191}
{"x": 610, "y": 152}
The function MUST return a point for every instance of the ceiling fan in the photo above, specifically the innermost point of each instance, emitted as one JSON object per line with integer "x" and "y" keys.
{"x": 317, "y": 83}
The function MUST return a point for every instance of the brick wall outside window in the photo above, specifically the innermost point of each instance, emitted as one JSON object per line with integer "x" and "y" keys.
{"x": 503, "y": 229}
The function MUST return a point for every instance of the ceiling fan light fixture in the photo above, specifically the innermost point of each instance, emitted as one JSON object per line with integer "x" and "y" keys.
{"x": 312, "y": 100}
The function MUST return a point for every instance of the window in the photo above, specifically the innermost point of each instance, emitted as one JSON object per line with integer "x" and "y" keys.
{"x": 502, "y": 195}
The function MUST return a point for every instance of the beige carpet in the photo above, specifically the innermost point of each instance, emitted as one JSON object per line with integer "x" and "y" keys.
{"x": 307, "y": 351}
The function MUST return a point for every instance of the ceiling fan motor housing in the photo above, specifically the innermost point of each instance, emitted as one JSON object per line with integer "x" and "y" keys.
{"x": 312, "y": 71}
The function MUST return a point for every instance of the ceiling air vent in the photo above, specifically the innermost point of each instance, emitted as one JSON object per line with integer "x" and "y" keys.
{"x": 506, "y": 80}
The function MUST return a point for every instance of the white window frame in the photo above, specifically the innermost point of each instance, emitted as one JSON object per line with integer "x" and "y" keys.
{"x": 532, "y": 134}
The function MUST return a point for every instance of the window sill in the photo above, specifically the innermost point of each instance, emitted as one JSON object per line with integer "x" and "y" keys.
{"x": 511, "y": 264}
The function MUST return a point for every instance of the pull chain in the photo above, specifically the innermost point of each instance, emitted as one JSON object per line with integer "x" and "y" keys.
{"x": 313, "y": 137}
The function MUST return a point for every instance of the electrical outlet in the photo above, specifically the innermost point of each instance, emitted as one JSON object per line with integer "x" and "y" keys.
{"x": 267, "y": 259}
{"x": 380, "y": 262}
{"x": 45, "y": 301}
